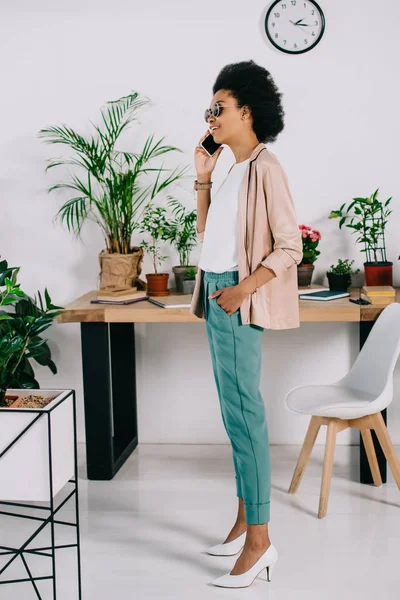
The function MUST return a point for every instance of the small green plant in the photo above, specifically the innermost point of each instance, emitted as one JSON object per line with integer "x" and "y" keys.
{"x": 343, "y": 267}
{"x": 154, "y": 222}
{"x": 20, "y": 327}
{"x": 190, "y": 273}
{"x": 369, "y": 221}
{"x": 182, "y": 230}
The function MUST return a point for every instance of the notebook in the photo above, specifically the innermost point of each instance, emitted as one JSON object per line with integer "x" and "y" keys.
{"x": 324, "y": 295}
{"x": 173, "y": 301}
{"x": 132, "y": 301}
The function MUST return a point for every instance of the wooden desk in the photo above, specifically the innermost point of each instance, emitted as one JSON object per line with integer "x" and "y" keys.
{"x": 109, "y": 370}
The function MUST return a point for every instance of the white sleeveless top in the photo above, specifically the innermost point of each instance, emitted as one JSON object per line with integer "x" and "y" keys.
{"x": 219, "y": 247}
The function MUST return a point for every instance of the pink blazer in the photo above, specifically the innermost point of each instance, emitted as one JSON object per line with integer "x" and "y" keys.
{"x": 273, "y": 240}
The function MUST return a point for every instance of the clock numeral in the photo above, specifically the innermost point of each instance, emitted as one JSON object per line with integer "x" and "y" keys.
{"x": 295, "y": 45}
{"x": 283, "y": 6}
{"x": 277, "y": 15}
{"x": 276, "y": 35}
{"x": 305, "y": 5}
{"x": 313, "y": 12}
{"x": 294, "y": 2}
{"x": 284, "y": 41}
{"x": 313, "y": 33}
{"x": 305, "y": 41}
{"x": 316, "y": 22}
{"x": 273, "y": 24}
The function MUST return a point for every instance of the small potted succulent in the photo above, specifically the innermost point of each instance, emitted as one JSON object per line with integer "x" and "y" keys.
{"x": 339, "y": 276}
{"x": 189, "y": 280}
{"x": 154, "y": 222}
{"x": 182, "y": 235}
{"x": 305, "y": 269}
{"x": 369, "y": 221}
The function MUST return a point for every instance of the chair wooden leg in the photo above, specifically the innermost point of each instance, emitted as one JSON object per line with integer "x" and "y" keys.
{"x": 387, "y": 446}
{"x": 328, "y": 467}
{"x": 371, "y": 455}
{"x": 309, "y": 441}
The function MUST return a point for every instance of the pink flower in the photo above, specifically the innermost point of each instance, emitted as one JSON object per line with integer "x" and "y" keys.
{"x": 304, "y": 234}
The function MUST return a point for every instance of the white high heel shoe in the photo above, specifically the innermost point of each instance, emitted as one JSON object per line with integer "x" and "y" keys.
{"x": 229, "y": 548}
{"x": 266, "y": 561}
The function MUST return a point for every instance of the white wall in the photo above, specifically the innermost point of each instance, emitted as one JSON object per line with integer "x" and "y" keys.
{"x": 60, "y": 63}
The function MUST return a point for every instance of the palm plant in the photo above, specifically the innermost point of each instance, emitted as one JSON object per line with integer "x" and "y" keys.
{"x": 20, "y": 331}
{"x": 182, "y": 230}
{"x": 109, "y": 191}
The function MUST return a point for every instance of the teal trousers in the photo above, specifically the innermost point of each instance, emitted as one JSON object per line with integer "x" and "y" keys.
{"x": 236, "y": 359}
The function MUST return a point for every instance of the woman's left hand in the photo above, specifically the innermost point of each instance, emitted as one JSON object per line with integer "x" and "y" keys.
{"x": 230, "y": 298}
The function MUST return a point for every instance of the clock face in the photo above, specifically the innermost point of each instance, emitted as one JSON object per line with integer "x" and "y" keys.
{"x": 294, "y": 26}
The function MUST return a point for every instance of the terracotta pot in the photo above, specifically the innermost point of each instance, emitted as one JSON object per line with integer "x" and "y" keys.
{"x": 14, "y": 401}
{"x": 120, "y": 270}
{"x": 304, "y": 274}
{"x": 157, "y": 284}
{"x": 379, "y": 273}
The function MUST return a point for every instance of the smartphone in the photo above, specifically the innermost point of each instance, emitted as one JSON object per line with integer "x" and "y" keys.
{"x": 209, "y": 145}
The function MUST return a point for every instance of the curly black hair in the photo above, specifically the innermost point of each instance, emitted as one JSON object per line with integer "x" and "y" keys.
{"x": 253, "y": 86}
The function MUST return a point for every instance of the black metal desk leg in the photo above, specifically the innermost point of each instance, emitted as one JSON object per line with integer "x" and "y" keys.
{"x": 109, "y": 384}
{"x": 365, "y": 471}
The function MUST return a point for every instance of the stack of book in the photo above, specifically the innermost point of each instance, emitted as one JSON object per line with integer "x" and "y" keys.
{"x": 379, "y": 295}
{"x": 119, "y": 296}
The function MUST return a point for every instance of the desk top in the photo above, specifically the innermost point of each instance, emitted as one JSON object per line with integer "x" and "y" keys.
{"x": 340, "y": 310}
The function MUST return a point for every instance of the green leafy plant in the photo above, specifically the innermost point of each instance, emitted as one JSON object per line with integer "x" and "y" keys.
{"x": 343, "y": 267}
{"x": 181, "y": 231}
{"x": 190, "y": 273}
{"x": 20, "y": 327}
{"x": 108, "y": 187}
{"x": 154, "y": 222}
{"x": 369, "y": 221}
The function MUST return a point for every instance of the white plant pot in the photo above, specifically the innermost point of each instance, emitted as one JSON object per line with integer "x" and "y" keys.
{"x": 25, "y": 468}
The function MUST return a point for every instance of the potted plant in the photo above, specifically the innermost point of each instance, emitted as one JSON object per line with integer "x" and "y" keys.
{"x": 369, "y": 222}
{"x": 310, "y": 239}
{"x": 22, "y": 320}
{"x": 110, "y": 186}
{"x": 155, "y": 223}
{"x": 189, "y": 280}
{"x": 181, "y": 234}
{"x": 339, "y": 276}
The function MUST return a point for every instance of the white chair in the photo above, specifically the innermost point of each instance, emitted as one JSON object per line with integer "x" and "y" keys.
{"x": 356, "y": 400}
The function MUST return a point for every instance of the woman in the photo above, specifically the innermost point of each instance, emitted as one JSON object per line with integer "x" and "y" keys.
{"x": 246, "y": 282}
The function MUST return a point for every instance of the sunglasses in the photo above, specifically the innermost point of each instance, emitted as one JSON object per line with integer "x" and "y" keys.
{"x": 215, "y": 110}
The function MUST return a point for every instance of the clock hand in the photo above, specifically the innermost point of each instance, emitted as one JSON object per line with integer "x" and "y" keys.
{"x": 299, "y": 24}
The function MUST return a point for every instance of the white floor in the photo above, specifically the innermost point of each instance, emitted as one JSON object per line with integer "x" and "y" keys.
{"x": 143, "y": 533}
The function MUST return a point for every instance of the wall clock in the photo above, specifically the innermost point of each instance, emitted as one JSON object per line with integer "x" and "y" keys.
{"x": 294, "y": 26}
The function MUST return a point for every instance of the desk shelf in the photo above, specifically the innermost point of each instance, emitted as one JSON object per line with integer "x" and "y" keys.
{"x": 109, "y": 370}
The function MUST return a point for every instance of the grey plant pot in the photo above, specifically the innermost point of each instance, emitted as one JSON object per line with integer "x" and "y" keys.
{"x": 188, "y": 286}
{"x": 179, "y": 273}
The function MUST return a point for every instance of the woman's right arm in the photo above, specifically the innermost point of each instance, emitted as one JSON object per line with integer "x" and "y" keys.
{"x": 204, "y": 166}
